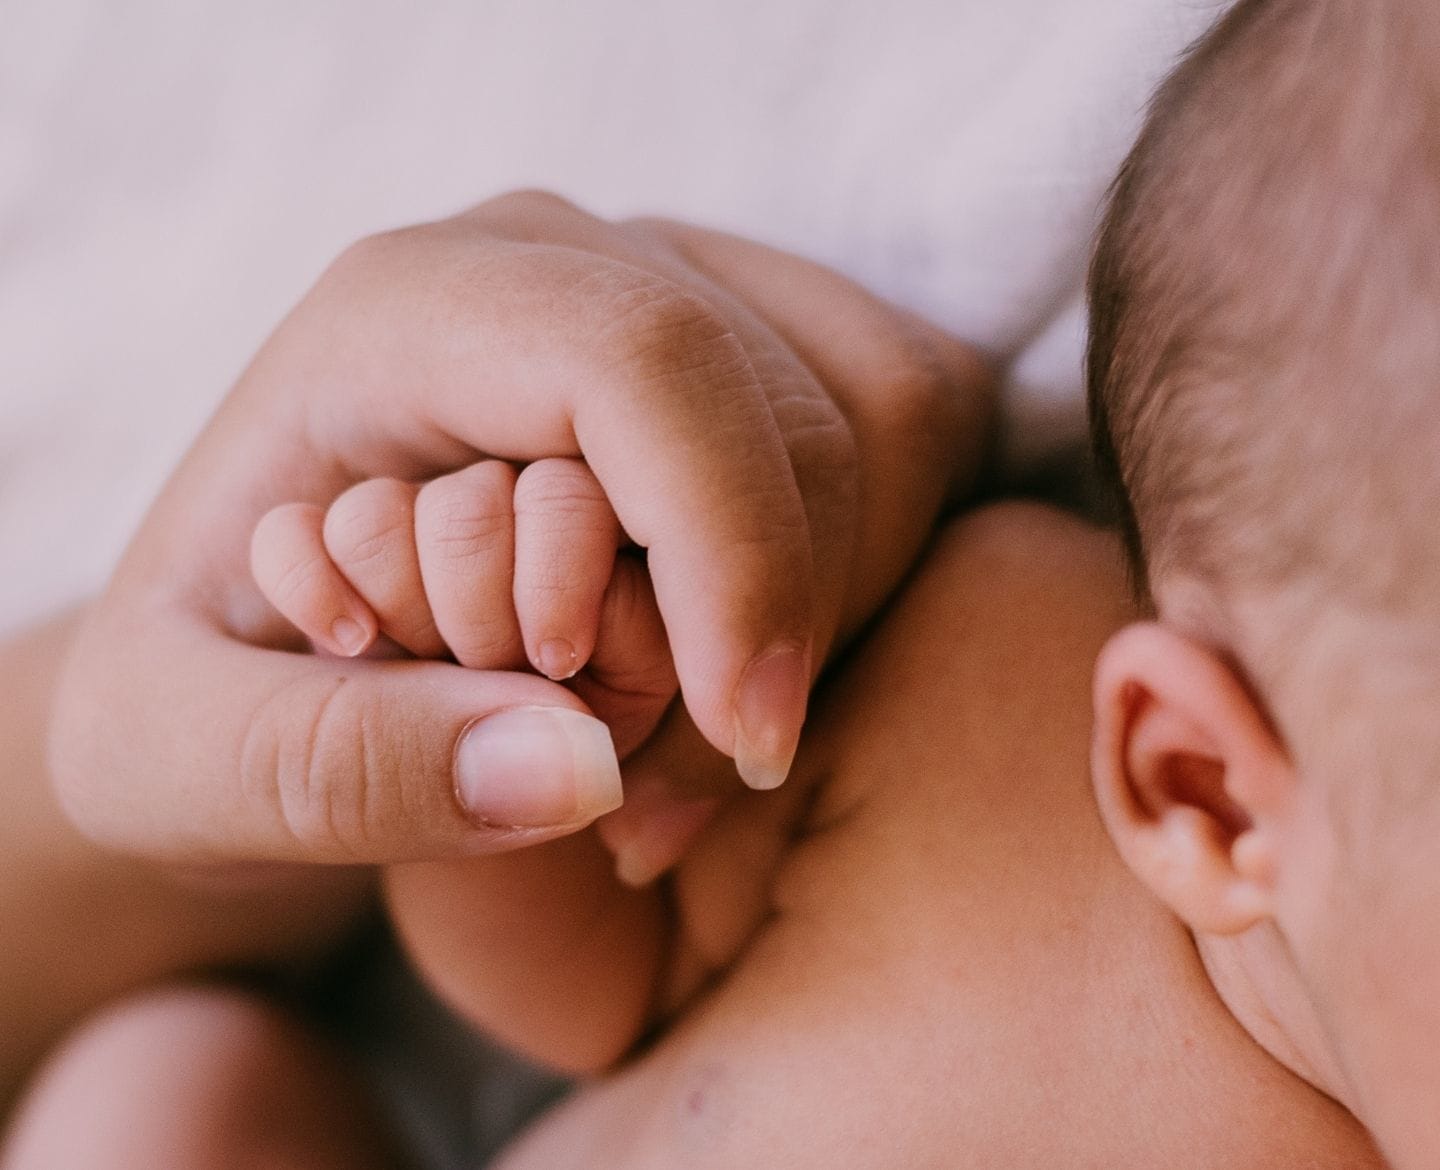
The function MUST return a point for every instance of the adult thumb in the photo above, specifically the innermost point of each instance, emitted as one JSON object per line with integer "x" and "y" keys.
{"x": 293, "y": 757}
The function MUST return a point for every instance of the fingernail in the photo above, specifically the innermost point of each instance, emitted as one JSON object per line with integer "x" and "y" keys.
{"x": 557, "y": 660}
{"x": 350, "y": 636}
{"x": 535, "y": 767}
{"x": 769, "y": 710}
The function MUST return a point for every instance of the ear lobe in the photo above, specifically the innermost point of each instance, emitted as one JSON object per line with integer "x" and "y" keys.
{"x": 1191, "y": 780}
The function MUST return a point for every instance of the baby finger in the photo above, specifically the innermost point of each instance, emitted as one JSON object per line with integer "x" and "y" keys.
{"x": 290, "y": 565}
{"x": 370, "y": 536}
{"x": 566, "y": 535}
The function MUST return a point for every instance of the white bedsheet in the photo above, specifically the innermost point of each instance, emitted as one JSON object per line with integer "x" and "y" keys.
{"x": 173, "y": 175}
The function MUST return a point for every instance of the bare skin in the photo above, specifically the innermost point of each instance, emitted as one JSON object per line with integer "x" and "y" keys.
{"x": 238, "y": 1084}
{"x": 956, "y": 968}
{"x": 776, "y": 439}
{"x": 83, "y": 925}
{"x": 187, "y": 732}
{"x": 952, "y": 967}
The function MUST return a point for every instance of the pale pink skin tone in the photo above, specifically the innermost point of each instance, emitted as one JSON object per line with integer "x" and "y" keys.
{"x": 782, "y": 486}
{"x": 776, "y": 439}
{"x": 499, "y": 569}
{"x": 948, "y": 962}
{"x": 1296, "y": 839}
{"x": 195, "y": 1077}
{"x": 1235, "y": 846}
{"x": 1276, "y": 923}
{"x": 84, "y": 925}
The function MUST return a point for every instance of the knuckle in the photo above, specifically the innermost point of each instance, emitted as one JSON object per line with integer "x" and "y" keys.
{"x": 819, "y": 437}
{"x": 362, "y": 278}
{"x": 309, "y": 762}
{"x": 460, "y": 533}
{"x": 560, "y": 488}
{"x": 527, "y": 203}
{"x": 781, "y": 541}
{"x": 366, "y": 523}
{"x": 362, "y": 258}
{"x": 280, "y": 528}
{"x": 659, "y": 330}
{"x": 766, "y": 548}
{"x": 461, "y": 520}
{"x": 550, "y": 578}
{"x": 300, "y": 584}
{"x": 915, "y": 391}
{"x": 530, "y": 216}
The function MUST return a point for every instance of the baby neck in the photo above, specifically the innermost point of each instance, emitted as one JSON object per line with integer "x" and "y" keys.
{"x": 1256, "y": 979}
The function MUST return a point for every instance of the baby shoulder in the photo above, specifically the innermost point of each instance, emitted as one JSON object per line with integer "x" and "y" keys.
{"x": 1017, "y": 572}
{"x": 982, "y": 664}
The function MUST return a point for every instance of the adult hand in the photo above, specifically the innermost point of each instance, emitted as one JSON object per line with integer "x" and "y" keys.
{"x": 696, "y": 376}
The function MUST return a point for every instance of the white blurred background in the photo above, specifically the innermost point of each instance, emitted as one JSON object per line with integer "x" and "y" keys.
{"x": 174, "y": 174}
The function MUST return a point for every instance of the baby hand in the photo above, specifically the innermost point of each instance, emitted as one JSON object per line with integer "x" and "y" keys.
{"x": 491, "y": 566}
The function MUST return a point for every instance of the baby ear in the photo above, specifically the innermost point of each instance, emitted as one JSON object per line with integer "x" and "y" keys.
{"x": 1191, "y": 780}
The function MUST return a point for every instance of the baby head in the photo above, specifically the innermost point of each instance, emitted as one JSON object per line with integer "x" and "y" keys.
{"x": 1264, "y": 376}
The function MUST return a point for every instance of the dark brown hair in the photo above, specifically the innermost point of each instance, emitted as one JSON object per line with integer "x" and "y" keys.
{"x": 1264, "y": 360}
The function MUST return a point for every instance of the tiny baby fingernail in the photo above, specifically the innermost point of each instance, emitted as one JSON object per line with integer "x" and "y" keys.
{"x": 769, "y": 710}
{"x": 349, "y": 635}
{"x": 537, "y": 767}
{"x": 557, "y": 659}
